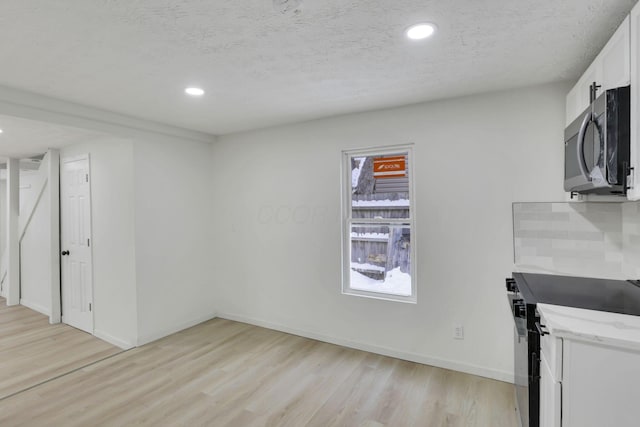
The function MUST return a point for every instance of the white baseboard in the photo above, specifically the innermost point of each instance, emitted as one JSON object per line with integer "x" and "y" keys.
{"x": 453, "y": 365}
{"x": 113, "y": 340}
{"x": 35, "y": 307}
{"x": 146, "y": 339}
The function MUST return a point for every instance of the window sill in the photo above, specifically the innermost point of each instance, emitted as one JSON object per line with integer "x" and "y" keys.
{"x": 381, "y": 296}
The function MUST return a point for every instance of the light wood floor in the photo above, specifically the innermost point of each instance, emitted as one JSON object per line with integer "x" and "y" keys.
{"x": 224, "y": 373}
{"x": 33, "y": 351}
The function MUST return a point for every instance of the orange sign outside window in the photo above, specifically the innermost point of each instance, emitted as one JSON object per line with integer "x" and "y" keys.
{"x": 389, "y": 167}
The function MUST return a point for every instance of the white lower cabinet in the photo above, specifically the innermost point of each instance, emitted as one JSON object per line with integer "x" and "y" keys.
{"x": 593, "y": 385}
{"x": 600, "y": 385}
{"x": 550, "y": 396}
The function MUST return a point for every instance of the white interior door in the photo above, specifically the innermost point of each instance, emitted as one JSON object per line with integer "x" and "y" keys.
{"x": 75, "y": 243}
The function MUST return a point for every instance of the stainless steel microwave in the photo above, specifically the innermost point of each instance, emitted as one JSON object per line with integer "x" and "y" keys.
{"x": 596, "y": 146}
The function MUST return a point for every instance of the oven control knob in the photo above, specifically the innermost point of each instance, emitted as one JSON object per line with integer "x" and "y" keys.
{"x": 511, "y": 284}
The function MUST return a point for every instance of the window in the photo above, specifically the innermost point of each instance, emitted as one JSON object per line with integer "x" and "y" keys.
{"x": 378, "y": 214}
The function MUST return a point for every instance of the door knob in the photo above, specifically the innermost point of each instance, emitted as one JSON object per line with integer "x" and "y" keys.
{"x": 64, "y": 253}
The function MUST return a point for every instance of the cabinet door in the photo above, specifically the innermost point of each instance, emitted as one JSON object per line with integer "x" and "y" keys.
{"x": 615, "y": 59}
{"x": 571, "y": 108}
{"x": 599, "y": 385}
{"x": 550, "y": 396}
{"x": 578, "y": 98}
{"x": 593, "y": 74}
{"x": 610, "y": 69}
{"x": 634, "y": 192}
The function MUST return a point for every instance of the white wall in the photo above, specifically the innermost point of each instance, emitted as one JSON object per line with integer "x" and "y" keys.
{"x": 151, "y": 216}
{"x": 276, "y": 223}
{"x": 172, "y": 210}
{"x": 172, "y": 233}
{"x": 28, "y": 181}
{"x": 35, "y": 256}
{"x": 112, "y": 205}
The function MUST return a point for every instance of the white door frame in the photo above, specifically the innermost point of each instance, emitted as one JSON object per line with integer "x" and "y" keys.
{"x": 54, "y": 229}
{"x": 90, "y": 225}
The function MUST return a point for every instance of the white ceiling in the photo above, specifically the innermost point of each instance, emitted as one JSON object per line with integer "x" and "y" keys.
{"x": 262, "y": 68}
{"x": 23, "y": 138}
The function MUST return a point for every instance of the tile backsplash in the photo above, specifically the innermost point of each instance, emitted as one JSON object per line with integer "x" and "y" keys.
{"x": 582, "y": 239}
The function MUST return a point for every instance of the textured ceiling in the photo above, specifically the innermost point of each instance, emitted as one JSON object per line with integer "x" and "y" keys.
{"x": 23, "y": 138}
{"x": 262, "y": 68}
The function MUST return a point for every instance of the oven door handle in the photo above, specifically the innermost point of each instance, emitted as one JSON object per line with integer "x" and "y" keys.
{"x": 582, "y": 161}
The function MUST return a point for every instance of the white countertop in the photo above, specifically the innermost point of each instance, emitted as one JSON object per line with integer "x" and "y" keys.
{"x": 618, "y": 330}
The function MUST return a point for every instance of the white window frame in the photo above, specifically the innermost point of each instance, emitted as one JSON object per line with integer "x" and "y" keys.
{"x": 348, "y": 221}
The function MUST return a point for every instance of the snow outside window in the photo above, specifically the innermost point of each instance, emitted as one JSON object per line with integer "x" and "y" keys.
{"x": 378, "y": 249}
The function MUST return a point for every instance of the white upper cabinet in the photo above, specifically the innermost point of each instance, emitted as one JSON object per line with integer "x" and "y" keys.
{"x": 616, "y": 58}
{"x": 610, "y": 69}
{"x": 578, "y": 97}
{"x": 634, "y": 191}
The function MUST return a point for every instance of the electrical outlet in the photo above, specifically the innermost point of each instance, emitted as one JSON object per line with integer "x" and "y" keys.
{"x": 458, "y": 331}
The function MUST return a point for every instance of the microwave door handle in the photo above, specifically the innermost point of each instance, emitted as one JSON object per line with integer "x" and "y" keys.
{"x": 582, "y": 162}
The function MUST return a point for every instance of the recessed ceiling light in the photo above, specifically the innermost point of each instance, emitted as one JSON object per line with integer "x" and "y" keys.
{"x": 0, "y": 130}
{"x": 420, "y": 31}
{"x": 194, "y": 91}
